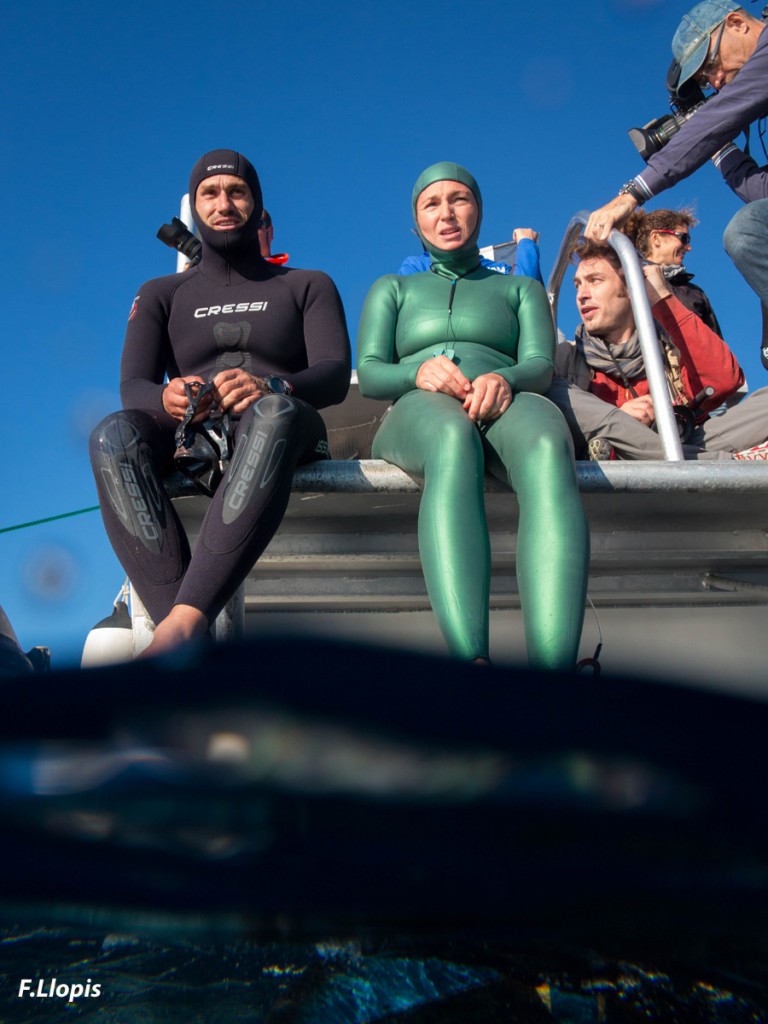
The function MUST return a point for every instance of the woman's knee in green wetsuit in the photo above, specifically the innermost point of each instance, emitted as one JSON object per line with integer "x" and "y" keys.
{"x": 548, "y": 454}
{"x": 535, "y": 435}
{"x": 453, "y": 446}
{"x": 430, "y": 433}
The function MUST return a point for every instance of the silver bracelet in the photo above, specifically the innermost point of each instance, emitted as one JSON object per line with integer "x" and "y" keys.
{"x": 631, "y": 189}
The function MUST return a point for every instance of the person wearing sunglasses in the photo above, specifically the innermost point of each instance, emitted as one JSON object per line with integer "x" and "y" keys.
{"x": 720, "y": 45}
{"x": 663, "y": 237}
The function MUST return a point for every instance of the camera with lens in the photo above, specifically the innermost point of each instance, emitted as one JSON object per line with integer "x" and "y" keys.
{"x": 687, "y": 417}
{"x": 178, "y": 236}
{"x": 685, "y": 100}
{"x": 685, "y": 421}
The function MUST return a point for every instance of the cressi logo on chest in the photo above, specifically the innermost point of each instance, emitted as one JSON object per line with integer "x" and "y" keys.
{"x": 230, "y": 307}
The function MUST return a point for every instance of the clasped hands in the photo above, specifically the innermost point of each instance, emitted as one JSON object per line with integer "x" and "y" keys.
{"x": 640, "y": 409}
{"x": 484, "y": 398}
{"x": 233, "y": 391}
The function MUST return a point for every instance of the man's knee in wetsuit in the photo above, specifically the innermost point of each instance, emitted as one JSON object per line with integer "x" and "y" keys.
{"x": 280, "y": 431}
{"x": 127, "y": 480}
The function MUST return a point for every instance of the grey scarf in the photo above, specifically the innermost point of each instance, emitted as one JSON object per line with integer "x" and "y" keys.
{"x": 626, "y": 359}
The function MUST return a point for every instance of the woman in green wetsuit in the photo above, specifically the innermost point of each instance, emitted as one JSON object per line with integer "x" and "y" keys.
{"x": 467, "y": 354}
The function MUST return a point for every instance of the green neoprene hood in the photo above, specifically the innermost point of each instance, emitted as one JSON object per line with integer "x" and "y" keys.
{"x": 456, "y": 260}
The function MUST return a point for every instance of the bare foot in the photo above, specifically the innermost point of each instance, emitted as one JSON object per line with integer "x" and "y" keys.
{"x": 180, "y": 626}
{"x": 480, "y": 661}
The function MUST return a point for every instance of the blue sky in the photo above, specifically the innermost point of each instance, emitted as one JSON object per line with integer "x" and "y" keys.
{"x": 339, "y": 106}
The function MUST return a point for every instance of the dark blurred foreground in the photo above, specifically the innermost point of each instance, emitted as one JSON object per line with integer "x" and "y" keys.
{"x": 304, "y": 832}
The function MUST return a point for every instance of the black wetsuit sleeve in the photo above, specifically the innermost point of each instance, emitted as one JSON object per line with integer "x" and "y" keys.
{"x": 325, "y": 381}
{"x": 147, "y": 355}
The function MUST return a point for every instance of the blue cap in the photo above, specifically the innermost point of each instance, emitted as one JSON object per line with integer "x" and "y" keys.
{"x": 691, "y": 43}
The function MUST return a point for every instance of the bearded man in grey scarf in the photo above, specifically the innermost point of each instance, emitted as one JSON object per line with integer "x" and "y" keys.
{"x": 601, "y": 384}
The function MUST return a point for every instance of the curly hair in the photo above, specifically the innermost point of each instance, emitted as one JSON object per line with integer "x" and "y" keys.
{"x": 642, "y": 222}
{"x": 586, "y": 250}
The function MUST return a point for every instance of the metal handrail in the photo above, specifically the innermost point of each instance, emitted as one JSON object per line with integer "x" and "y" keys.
{"x": 646, "y": 331}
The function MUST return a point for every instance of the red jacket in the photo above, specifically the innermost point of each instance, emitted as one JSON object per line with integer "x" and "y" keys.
{"x": 705, "y": 360}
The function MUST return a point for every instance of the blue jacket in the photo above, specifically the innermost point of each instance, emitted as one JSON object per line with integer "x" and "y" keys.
{"x": 526, "y": 262}
{"x": 742, "y": 173}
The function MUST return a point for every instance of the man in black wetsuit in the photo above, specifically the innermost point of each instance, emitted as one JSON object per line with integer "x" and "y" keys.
{"x": 273, "y": 341}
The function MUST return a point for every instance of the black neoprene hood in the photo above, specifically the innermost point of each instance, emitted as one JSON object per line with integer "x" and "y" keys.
{"x": 227, "y": 161}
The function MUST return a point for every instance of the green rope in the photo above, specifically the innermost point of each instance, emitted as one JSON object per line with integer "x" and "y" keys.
{"x": 49, "y": 519}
